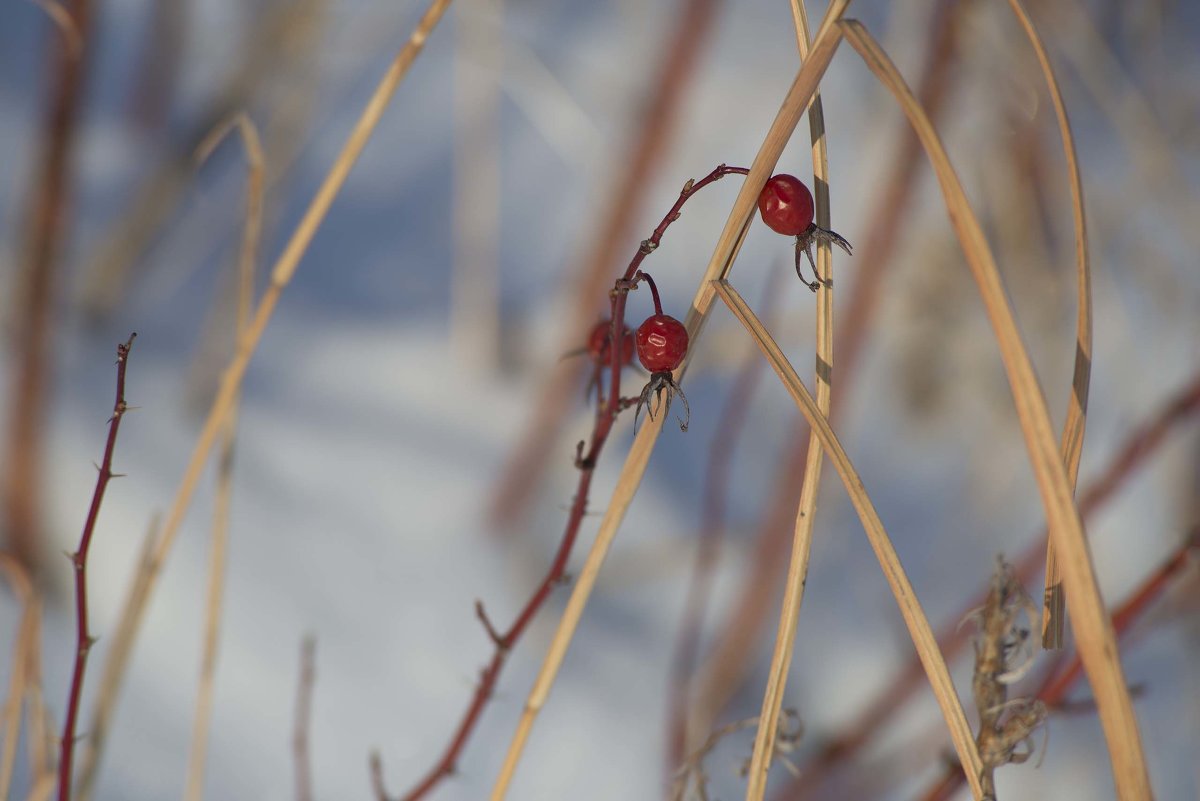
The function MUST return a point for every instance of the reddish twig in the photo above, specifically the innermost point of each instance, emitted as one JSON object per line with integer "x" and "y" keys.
{"x": 33, "y": 295}
{"x": 304, "y": 694}
{"x": 661, "y": 104}
{"x": 585, "y": 461}
{"x": 1058, "y": 683}
{"x": 1132, "y": 455}
{"x": 1054, "y": 690}
{"x": 84, "y": 640}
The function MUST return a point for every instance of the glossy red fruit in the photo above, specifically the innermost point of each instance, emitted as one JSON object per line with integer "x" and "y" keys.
{"x": 599, "y": 338}
{"x": 786, "y": 205}
{"x": 662, "y": 342}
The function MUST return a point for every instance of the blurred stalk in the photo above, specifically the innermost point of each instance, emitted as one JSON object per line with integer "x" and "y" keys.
{"x": 33, "y": 297}
{"x": 475, "y": 295}
{"x": 157, "y": 71}
{"x": 282, "y": 37}
{"x": 636, "y": 173}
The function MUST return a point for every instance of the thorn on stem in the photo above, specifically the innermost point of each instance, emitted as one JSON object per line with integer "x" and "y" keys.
{"x": 493, "y": 635}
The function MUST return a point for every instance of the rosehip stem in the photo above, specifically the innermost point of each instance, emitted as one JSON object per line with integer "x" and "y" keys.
{"x": 641, "y": 276}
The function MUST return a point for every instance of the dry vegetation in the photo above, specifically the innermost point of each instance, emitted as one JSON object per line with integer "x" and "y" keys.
{"x": 1004, "y": 220}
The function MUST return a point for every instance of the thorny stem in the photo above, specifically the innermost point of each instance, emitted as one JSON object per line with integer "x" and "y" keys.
{"x": 1053, "y": 691}
{"x": 84, "y": 640}
{"x": 585, "y": 461}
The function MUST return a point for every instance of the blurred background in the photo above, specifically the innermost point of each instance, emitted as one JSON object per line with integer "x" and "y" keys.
{"x": 407, "y": 429}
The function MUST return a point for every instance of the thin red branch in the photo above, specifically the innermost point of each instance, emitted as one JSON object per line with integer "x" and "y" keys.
{"x": 585, "y": 461}
{"x": 84, "y": 640}
{"x": 1053, "y": 692}
{"x": 1133, "y": 454}
{"x": 300, "y": 736}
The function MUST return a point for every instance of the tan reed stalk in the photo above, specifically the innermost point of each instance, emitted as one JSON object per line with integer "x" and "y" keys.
{"x": 1054, "y": 600}
{"x": 1094, "y": 632}
{"x": 255, "y": 180}
{"x": 794, "y": 104}
{"x": 785, "y": 638}
{"x": 475, "y": 272}
{"x": 281, "y": 275}
{"x": 893, "y": 571}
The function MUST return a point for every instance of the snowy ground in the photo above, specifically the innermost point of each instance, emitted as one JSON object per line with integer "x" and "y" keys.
{"x": 368, "y": 445}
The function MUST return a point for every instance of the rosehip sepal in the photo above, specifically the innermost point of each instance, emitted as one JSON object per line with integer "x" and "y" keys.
{"x": 804, "y": 243}
{"x": 656, "y": 386}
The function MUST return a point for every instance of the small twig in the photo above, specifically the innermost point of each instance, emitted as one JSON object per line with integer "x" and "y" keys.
{"x": 84, "y": 639}
{"x": 300, "y": 738}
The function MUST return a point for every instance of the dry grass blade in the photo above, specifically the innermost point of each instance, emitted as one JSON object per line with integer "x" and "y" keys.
{"x": 796, "y": 100}
{"x": 893, "y": 571}
{"x": 18, "y": 677}
{"x": 255, "y": 181}
{"x": 281, "y": 275}
{"x": 1094, "y": 632}
{"x": 1054, "y": 601}
{"x": 785, "y": 638}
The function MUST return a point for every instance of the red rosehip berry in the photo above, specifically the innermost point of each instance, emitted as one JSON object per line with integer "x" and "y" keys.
{"x": 786, "y": 205}
{"x": 662, "y": 342}
{"x": 600, "y": 338}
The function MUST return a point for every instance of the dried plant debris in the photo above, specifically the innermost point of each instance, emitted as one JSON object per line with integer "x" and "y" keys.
{"x": 691, "y": 780}
{"x": 1004, "y": 653}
